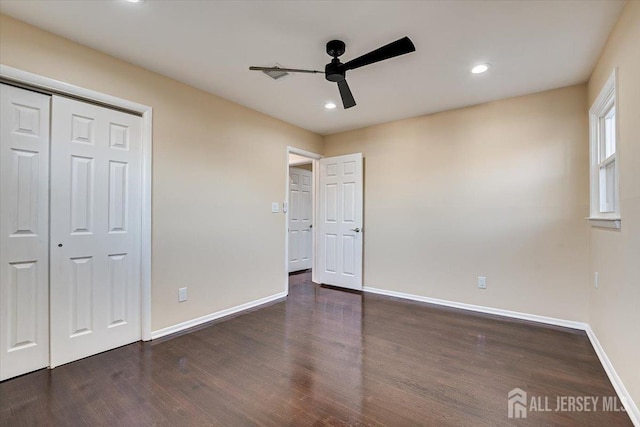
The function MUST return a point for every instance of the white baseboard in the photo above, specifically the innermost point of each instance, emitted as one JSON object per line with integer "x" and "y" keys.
{"x": 213, "y": 316}
{"x": 623, "y": 394}
{"x": 482, "y": 309}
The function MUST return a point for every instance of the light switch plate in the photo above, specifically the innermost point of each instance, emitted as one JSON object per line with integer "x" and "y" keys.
{"x": 182, "y": 294}
{"x": 275, "y": 207}
{"x": 482, "y": 282}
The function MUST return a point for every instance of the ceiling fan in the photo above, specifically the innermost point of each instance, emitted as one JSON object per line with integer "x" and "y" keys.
{"x": 335, "y": 71}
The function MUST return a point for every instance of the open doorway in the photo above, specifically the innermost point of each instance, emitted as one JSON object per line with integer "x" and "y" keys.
{"x": 300, "y": 225}
{"x": 334, "y": 225}
{"x": 300, "y": 199}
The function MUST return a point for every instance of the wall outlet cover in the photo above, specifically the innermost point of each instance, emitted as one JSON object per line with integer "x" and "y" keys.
{"x": 182, "y": 294}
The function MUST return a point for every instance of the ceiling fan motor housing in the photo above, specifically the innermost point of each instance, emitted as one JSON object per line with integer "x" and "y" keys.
{"x": 333, "y": 71}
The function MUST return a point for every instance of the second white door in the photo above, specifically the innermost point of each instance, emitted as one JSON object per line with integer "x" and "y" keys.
{"x": 300, "y": 205}
{"x": 340, "y": 213}
{"x": 95, "y": 229}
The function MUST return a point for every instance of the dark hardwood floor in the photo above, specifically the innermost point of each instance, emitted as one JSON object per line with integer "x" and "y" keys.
{"x": 324, "y": 357}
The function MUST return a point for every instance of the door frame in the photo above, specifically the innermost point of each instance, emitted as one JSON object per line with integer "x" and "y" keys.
{"x": 315, "y": 157}
{"x": 27, "y": 80}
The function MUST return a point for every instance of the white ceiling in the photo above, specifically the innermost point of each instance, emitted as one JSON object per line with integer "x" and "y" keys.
{"x": 532, "y": 46}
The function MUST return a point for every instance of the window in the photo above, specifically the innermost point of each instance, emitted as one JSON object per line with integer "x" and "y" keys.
{"x": 603, "y": 135}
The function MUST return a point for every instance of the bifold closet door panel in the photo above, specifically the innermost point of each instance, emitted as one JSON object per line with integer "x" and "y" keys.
{"x": 95, "y": 229}
{"x": 24, "y": 231}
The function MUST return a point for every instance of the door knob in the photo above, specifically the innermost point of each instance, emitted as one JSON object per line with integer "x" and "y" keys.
{"x": 59, "y": 245}
{"x": 311, "y": 226}
{"x": 357, "y": 230}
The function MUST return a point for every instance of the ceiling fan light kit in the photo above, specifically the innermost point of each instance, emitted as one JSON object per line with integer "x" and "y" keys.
{"x": 335, "y": 71}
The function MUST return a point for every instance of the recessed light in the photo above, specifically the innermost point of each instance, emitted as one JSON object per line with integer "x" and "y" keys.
{"x": 135, "y": 1}
{"x": 329, "y": 105}
{"x": 480, "y": 68}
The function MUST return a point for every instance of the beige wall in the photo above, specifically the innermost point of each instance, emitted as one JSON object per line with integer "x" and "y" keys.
{"x": 615, "y": 254}
{"x": 298, "y": 159}
{"x": 497, "y": 190}
{"x": 217, "y": 167}
{"x": 306, "y": 166}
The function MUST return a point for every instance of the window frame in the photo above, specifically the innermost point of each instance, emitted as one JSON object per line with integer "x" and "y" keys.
{"x": 606, "y": 101}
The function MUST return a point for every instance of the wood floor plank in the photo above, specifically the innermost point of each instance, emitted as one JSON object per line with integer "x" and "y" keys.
{"x": 323, "y": 357}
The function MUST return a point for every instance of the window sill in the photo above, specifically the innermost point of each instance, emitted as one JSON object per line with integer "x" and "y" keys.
{"x": 605, "y": 222}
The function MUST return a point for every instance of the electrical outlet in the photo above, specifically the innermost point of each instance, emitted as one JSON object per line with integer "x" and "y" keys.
{"x": 596, "y": 279}
{"x": 482, "y": 282}
{"x": 182, "y": 294}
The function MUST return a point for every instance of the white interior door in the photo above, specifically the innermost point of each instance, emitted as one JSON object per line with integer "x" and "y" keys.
{"x": 95, "y": 229}
{"x": 24, "y": 231}
{"x": 339, "y": 225}
{"x": 300, "y": 242}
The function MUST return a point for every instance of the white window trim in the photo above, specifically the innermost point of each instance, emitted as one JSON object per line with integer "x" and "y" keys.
{"x": 608, "y": 96}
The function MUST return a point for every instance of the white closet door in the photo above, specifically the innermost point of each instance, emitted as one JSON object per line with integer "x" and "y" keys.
{"x": 300, "y": 242}
{"x": 24, "y": 231}
{"x": 95, "y": 229}
{"x": 339, "y": 234}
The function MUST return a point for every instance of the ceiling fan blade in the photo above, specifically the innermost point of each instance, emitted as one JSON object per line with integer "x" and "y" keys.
{"x": 391, "y": 50}
{"x": 345, "y": 93}
{"x": 288, "y": 70}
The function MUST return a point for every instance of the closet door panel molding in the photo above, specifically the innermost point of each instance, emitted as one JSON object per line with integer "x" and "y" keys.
{"x": 95, "y": 229}
{"x": 24, "y": 231}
